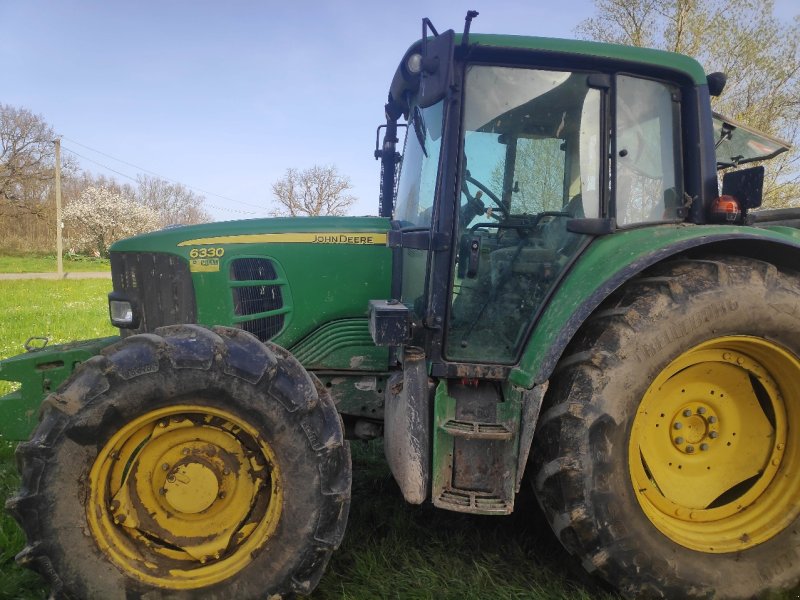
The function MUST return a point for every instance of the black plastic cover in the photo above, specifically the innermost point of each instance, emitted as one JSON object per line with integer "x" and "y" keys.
{"x": 389, "y": 322}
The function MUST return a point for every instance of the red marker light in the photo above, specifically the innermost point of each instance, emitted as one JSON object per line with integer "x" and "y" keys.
{"x": 726, "y": 209}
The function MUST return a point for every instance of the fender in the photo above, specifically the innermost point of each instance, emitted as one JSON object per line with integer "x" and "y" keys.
{"x": 612, "y": 260}
{"x": 39, "y": 372}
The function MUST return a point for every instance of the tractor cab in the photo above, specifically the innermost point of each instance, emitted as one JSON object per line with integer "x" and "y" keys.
{"x": 517, "y": 154}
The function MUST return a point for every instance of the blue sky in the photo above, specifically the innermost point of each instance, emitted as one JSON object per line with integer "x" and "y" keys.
{"x": 225, "y": 96}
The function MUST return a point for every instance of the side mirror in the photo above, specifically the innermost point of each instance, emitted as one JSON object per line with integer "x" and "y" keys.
{"x": 746, "y": 185}
{"x": 437, "y": 63}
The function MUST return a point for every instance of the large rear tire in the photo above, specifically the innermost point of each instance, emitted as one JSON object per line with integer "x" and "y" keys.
{"x": 187, "y": 463}
{"x": 668, "y": 457}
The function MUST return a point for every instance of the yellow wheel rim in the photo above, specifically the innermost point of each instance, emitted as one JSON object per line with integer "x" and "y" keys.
{"x": 182, "y": 497}
{"x": 710, "y": 457}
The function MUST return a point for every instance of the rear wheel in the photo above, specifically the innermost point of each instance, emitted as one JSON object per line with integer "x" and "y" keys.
{"x": 666, "y": 459}
{"x": 190, "y": 463}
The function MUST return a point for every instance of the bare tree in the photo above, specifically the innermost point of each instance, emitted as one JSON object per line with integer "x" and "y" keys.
{"x": 26, "y": 153}
{"x": 742, "y": 38}
{"x": 173, "y": 202}
{"x": 312, "y": 192}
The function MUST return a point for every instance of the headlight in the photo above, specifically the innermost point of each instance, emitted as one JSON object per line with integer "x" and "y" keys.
{"x": 414, "y": 64}
{"x": 122, "y": 312}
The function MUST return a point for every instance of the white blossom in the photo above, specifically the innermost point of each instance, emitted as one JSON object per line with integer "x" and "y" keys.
{"x": 100, "y": 217}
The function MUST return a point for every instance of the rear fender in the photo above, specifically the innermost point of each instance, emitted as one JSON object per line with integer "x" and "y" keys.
{"x": 39, "y": 372}
{"x": 612, "y": 260}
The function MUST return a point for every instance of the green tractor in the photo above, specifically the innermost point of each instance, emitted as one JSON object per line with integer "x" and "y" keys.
{"x": 555, "y": 287}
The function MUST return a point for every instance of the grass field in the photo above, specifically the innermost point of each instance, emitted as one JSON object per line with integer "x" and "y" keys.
{"x": 37, "y": 263}
{"x": 391, "y": 550}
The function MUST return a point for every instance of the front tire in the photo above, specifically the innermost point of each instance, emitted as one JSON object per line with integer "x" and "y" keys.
{"x": 187, "y": 463}
{"x": 668, "y": 458}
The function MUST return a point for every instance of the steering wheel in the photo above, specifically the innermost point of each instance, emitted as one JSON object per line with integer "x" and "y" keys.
{"x": 492, "y": 196}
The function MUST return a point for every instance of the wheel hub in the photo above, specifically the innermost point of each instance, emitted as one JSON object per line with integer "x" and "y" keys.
{"x": 191, "y": 487}
{"x": 695, "y": 427}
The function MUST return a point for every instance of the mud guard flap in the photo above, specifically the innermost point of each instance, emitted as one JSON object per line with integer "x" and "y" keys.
{"x": 407, "y": 427}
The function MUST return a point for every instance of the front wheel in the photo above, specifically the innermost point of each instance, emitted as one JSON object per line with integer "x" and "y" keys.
{"x": 669, "y": 459}
{"x": 191, "y": 463}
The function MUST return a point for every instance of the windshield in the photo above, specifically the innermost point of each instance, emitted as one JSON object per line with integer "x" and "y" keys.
{"x": 417, "y": 184}
{"x": 531, "y": 162}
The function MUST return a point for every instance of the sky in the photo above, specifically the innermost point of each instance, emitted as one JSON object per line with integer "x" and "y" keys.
{"x": 224, "y": 97}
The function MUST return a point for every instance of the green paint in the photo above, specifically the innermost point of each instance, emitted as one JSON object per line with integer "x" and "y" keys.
{"x": 39, "y": 373}
{"x": 357, "y": 394}
{"x": 646, "y": 57}
{"x": 444, "y": 409}
{"x": 599, "y": 265}
{"x": 345, "y": 344}
{"x": 508, "y": 413}
{"x": 320, "y": 282}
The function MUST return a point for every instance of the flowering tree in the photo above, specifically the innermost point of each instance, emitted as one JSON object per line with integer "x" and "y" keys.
{"x": 100, "y": 217}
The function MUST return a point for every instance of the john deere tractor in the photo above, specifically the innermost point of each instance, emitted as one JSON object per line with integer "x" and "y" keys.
{"x": 556, "y": 286}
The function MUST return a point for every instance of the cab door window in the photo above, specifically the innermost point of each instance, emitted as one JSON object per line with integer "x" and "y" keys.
{"x": 530, "y": 163}
{"x": 648, "y": 185}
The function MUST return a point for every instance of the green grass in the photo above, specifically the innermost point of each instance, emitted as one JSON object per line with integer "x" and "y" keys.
{"x": 400, "y": 551}
{"x": 64, "y": 311}
{"x": 37, "y": 263}
{"x": 61, "y": 310}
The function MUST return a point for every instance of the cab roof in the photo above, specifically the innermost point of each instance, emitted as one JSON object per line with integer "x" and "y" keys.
{"x": 632, "y": 54}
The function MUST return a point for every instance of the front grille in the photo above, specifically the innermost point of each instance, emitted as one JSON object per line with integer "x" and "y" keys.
{"x": 256, "y": 299}
{"x": 160, "y": 285}
{"x": 252, "y": 269}
{"x": 261, "y": 295}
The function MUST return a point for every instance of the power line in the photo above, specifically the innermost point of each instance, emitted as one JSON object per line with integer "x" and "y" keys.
{"x": 126, "y": 176}
{"x": 158, "y": 175}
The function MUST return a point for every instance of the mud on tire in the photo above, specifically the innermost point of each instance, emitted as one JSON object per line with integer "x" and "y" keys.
{"x": 189, "y": 463}
{"x": 667, "y": 457}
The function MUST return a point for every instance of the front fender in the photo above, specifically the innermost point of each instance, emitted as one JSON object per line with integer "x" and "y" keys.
{"x": 612, "y": 260}
{"x": 39, "y": 372}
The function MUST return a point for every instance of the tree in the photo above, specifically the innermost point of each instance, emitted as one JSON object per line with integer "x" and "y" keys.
{"x": 27, "y": 160}
{"x": 26, "y": 153}
{"x": 742, "y": 38}
{"x": 174, "y": 202}
{"x": 312, "y": 192}
{"x": 100, "y": 217}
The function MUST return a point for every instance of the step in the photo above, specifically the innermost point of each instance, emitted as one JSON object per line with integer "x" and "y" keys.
{"x": 472, "y": 430}
{"x": 469, "y": 501}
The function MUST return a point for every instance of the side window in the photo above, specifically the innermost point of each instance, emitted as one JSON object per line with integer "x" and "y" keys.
{"x": 648, "y": 180}
{"x": 417, "y": 184}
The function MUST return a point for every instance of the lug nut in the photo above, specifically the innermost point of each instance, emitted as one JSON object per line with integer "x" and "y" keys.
{"x": 690, "y": 449}
{"x": 712, "y": 419}
{"x": 678, "y": 425}
{"x": 221, "y": 495}
{"x": 713, "y": 435}
{"x": 185, "y": 451}
{"x": 678, "y": 440}
{"x": 165, "y": 467}
{"x": 704, "y": 447}
{"x": 162, "y": 491}
{"x": 701, "y": 410}
{"x": 687, "y": 413}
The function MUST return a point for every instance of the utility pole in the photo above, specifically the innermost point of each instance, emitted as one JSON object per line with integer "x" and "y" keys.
{"x": 59, "y": 241}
